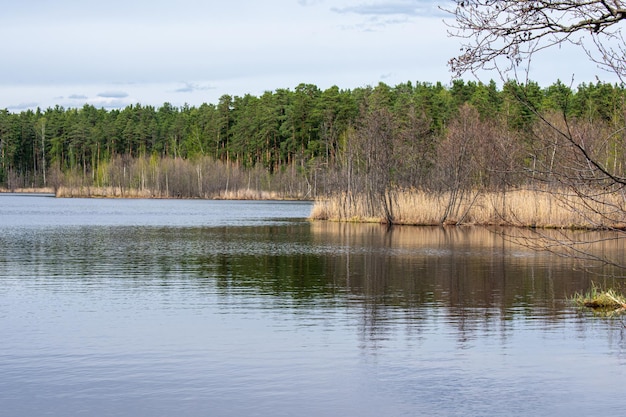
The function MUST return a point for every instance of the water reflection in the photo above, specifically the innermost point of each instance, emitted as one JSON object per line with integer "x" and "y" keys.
{"x": 472, "y": 279}
{"x": 467, "y": 271}
{"x": 296, "y": 318}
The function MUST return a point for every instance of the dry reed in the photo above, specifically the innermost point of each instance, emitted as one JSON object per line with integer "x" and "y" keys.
{"x": 104, "y": 192}
{"x": 524, "y": 208}
{"x": 120, "y": 192}
{"x": 34, "y": 190}
{"x": 249, "y": 194}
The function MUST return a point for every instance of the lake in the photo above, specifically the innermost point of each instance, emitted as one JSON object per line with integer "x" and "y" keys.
{"x": 222, "y": 308}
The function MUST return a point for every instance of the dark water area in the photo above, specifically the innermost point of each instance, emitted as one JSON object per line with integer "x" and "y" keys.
{"x": 221, "y": 308}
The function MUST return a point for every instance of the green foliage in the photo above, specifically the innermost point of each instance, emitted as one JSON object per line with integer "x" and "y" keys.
{"x": 304, "y": 127}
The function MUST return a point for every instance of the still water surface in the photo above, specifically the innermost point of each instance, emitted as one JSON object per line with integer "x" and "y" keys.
{"x": 217, "y": 308}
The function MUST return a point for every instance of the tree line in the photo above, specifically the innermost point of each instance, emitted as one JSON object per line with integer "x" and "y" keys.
{"x": 368, "y": 140}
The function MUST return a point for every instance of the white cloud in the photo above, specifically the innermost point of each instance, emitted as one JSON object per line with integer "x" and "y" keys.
{"x": 192, "y": 87}
{"x": 113, "y": 94}
{"x": 396, "y": 8}
{"x": 309, "y": 2}
{"x": 23, "y": 106}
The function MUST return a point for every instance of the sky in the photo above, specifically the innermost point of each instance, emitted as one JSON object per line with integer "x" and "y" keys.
{"x": 119, "y": 52}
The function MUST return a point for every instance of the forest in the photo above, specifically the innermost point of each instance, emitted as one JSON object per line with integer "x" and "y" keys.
{"x": 371, "y": 144}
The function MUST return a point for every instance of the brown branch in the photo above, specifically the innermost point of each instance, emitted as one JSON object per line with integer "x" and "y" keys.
{"x": 515, "y": 29}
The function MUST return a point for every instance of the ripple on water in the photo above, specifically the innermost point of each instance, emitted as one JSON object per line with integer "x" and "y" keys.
{"x": 251, "y": 316}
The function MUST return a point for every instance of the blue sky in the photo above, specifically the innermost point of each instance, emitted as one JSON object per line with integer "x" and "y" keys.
{"x": 114, "y": 53}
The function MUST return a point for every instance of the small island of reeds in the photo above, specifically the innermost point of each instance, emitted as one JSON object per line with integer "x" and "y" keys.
{"x": 603, "y": 301}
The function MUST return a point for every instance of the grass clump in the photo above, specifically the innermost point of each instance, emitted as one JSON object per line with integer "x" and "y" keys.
{"x": 601, "y": 300}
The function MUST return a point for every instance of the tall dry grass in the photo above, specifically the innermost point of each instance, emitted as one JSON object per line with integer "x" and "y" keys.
{"x": 249, "y": 194}
{"x": 120, "y": 192}
{"x": 28, "y": 190}
{"x": 85, "y": 191}
{"x": 526, "y": 208}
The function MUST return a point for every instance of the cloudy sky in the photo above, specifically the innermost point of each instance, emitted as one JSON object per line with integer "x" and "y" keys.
{"x": 118, "y": 52}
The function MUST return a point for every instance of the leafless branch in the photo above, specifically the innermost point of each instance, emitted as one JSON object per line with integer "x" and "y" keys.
{"x": 511, "y": 31}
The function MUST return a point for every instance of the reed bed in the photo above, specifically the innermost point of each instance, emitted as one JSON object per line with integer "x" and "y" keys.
{"x": 249, "y": 194}
{"x": 29, "y": 190}
{"x": 120, "y": 192}
{"x": 523, "y": 208}
{"x": 104, "y": 192}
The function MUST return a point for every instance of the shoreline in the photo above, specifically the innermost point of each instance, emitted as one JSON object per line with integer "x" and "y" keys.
{"x": 529, "y": 209}
{"x": 117, "y": 193}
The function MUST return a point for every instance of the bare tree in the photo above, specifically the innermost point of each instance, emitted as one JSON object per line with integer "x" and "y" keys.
{"x": 584, "y": 160}
{"x": 474, "y": 157}
{"x": 504, "y": 35}
{"x": 458, "y": 168}
{"x": 374, "y": 140}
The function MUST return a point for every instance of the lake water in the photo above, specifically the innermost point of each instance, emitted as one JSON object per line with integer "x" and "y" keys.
{"x": 219, "y": 308}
